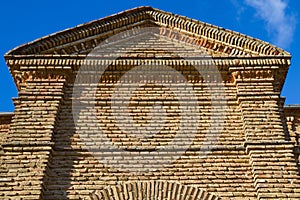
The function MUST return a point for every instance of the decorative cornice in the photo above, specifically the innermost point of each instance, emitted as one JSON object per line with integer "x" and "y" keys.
{"x": 67, "y": 50}
{"x": 55, "y": 68}
{"x": 22, "y": 77}
{"x": 64, "y": 62}
{"x": 254, "y": 74}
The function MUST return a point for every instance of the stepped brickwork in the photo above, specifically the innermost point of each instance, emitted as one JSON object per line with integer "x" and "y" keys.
{"x": 5, "y": 120}
{"x": 292, "y": 117}
{"x": 44, "y": 148}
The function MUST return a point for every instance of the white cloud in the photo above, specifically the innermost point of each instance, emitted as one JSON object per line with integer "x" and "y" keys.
{"x": 280, "y": 24}
{"x": 240, "y": 8}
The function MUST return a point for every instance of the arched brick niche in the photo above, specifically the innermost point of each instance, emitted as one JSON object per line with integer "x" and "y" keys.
{"x": 152, "y": 190}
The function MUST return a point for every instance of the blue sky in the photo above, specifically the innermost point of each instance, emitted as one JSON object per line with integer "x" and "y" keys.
{"x": 274, "y": 21}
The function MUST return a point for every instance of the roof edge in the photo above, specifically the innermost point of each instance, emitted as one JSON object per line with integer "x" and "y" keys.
{"x": 83, "y": 25}
{"x": 292, "y": 106}
{"x": 224, "y": 29}
{"x": 6, "y": 114}
{"x": 82, "y": 31}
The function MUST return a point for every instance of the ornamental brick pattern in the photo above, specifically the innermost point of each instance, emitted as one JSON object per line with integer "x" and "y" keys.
{"x": 152, "y": 190}
{"x": 256, "y": 155}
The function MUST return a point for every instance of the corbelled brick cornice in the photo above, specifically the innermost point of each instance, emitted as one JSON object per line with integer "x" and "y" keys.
{"x": 89, "y": 35}
{"x": 68, "y": 49}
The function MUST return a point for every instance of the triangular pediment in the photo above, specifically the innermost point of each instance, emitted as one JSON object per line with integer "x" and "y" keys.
{"x": 214, "y": 40}
{"x": 149, "y": 42}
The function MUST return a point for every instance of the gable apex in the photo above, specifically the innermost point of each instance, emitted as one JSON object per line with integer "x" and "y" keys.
{"x": 78, "y": 40}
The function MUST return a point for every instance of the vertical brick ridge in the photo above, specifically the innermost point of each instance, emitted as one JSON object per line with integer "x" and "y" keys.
{"x": 65, "y": 79}
{"x": 5, "y": 120}
{"x": 284, "y": 119}
{"x": 29, "y": 141}
{"x": 259, "y": 104}
{"x": 274, "y": 169}
{"x": 292, "y": 118}
{"x": 152, "y": 190}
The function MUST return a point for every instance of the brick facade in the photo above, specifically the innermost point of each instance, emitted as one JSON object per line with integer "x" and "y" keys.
{"x": 43, "y": 151}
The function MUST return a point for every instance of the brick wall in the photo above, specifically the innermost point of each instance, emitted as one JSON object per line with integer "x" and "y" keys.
{"x": 48, "y": 154}
{"x": 292, "y": 114}
{"x": 5, "y": 120}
